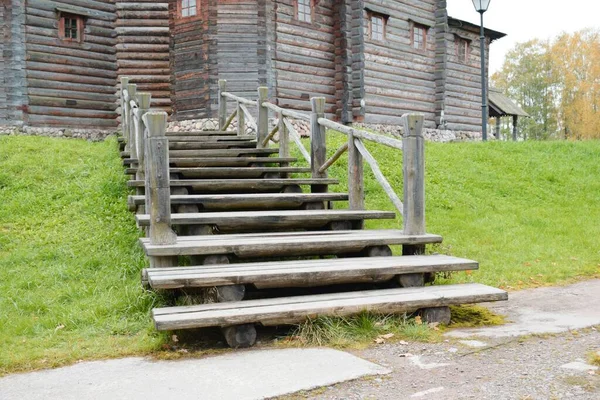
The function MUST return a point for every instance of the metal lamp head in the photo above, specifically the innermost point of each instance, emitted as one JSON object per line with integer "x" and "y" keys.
{"x": 481, "y": 6}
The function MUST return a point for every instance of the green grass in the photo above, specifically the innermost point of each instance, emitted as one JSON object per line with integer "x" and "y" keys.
{"x": 358, "y": 331}
{"x": 528, "y": 211}
{"x": 69, "y": 258}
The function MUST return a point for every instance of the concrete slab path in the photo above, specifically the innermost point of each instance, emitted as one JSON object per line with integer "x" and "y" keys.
{"x": 244, "y": 375}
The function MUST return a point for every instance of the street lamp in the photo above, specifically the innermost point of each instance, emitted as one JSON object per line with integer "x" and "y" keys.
{"x": 481, "y": 6}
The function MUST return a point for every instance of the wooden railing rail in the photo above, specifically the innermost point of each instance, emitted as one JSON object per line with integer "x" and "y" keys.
{"x": 413, "y": 205}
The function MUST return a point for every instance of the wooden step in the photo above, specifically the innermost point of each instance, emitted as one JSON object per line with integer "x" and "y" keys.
{"x": 246, "y": 201}
{"x": 235, "y": 172}
{"x": 202, "y": 133}
{"x": 247, "y": 220}
{"x": 228, "y": 172}
{"x": 237, "y": 185}
{"x": 302, "y": 273}
{"x": 290, "y": 310}
{"x": 228, "y": 161}
{"x": 283, "y": 244}
{"x": 216, "y": 153}
{"x": 216, "y": 138}
{"x": 229, "y": 144}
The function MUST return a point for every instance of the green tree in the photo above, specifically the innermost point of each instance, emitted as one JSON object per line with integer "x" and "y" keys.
{"x": 527, "y": 77}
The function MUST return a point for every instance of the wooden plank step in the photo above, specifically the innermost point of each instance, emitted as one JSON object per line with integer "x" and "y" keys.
{"x": 228, "y": 172}
{"x": 216, "y": 138}
{"x": 245, "y": 220}
{"x": 289, "y": 310}
{"x": 278, "y": 244}
{"x": 202, "y": 133}
{"x": 228, "y": 161}
{"x": 236, "y": 185}
{"x": 211, "y": 145}
{"x": 303, "y": 273}
{"x": 245, "y": 201}
{"x": 216, "y": 152}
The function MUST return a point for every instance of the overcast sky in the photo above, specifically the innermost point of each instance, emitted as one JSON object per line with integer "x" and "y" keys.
{"x": 523, "y": 20}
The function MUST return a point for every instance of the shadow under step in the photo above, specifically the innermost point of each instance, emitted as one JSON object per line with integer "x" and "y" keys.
{"x": 216, "y": 138}
{"x": 286, "y": 244}
{"x": 305, "y": 273}
{"x": 215, "y": 153}
{"x": 202, "y": 133}
{"x": 280, "y": 219}
{"x": 290, "y": 310}
{"x": 245, "y": 201}
{"x": 228, "y": 172}
{"x": 241, "y": 185}
{"x": 211, "y": 145}
{"x": 228, "y": 161}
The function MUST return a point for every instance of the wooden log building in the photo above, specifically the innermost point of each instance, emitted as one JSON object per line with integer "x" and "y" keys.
{"x": 373, "y": 60}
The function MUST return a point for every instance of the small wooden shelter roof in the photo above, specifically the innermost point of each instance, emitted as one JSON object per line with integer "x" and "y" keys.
{"x": 459, "y": 23}
{"x": 500, "y": 105}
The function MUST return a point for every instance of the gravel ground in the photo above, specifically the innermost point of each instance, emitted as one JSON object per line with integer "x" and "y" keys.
{"x": 509, "y": 368}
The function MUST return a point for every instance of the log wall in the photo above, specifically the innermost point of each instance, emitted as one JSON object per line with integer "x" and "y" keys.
{"x": 71, "y": 84}
{"x": 13, "y": 55}
{"x": 190, "y": 47}
{"x": 304, "y": 57}
{"x": 462, "y": 109}
{"x": 142, "y": 48}
{"x": 398, "y": 78}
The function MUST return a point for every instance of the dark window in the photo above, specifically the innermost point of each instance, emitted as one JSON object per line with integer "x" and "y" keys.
{"x": 419, "y": 37}
{"x": 70, "y": 28}
{"x": 462, "y": 50}
{"x": 304, "y": 10}
{"x": 375, "y": 28}
{"x": 188, "y": 8}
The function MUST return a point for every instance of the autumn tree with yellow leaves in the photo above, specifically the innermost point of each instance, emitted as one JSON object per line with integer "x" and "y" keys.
{"x": 558, "y": 83}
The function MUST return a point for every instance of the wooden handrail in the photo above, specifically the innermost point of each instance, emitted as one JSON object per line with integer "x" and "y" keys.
{"x": 238, "y": 99}
{"x": 285, "y": 112}
{"x": 296, "y": 137}
{"x": 379, "y": 175}
{"x": 270, "y": 136}
{"x": 359, "y": 133}
{"x": 251, "y": 121}
{"x": 230, "y": 119}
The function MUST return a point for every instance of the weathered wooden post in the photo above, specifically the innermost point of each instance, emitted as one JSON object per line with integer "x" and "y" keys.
{"x": 318, "y": 143}
{"x": 284, "y": 140}
{"x": 356, "y": 189}
{"x": 222, "y": 104}
{"x": 241, "y": 120}
{"x": 140, "y": 133}
{"x": 498, "y": 128}
{"x": 413, "y": 163}
{"x": 262, "y": 124}
{"x": 132, "y": 90}
{"x": 515, "y": 128}
{"x": 124, "y": 83}
{"x": 158, "y": 191}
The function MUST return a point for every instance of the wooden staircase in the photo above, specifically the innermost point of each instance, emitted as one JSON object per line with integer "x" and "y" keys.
{"x": 248, "y": 227}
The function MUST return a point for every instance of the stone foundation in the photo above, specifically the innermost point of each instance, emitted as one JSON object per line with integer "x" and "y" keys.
{"x": 94, "y": 135}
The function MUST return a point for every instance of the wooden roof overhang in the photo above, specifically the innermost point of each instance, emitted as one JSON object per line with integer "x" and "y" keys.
{"x": 500, "y": 105}
{"x": 459, "y": 23}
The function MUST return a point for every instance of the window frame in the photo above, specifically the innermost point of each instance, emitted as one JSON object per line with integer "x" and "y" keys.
{"x": 180, "y": 10}
{"x": 424, "y": 28}
{"x": 458, "y": 40}
{"x": 80, "y": 27}
{"x": 369, "y": 27}
{"x": 311, "y": 6}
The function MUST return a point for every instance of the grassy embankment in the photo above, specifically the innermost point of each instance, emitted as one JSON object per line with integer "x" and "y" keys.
{"x": 69, "y": 259}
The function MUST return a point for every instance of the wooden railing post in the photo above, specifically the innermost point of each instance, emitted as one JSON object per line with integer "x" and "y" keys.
{"x": 158, "y": 193}
{"x": 318, "y": 144}
{"x": 356, "y": 188}
{"x": 413, "y": 162}
{"x": 132, "y": 90}
{"x": 241, "y": 120}
{"x": 262, "y": 124}
{"x": 222, "y": 104}
{"x": 140, "y": 133}
{"x": 124, "y": 83}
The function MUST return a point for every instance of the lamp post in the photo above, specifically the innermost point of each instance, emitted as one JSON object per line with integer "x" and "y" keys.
{"x": 481, "y": 6}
